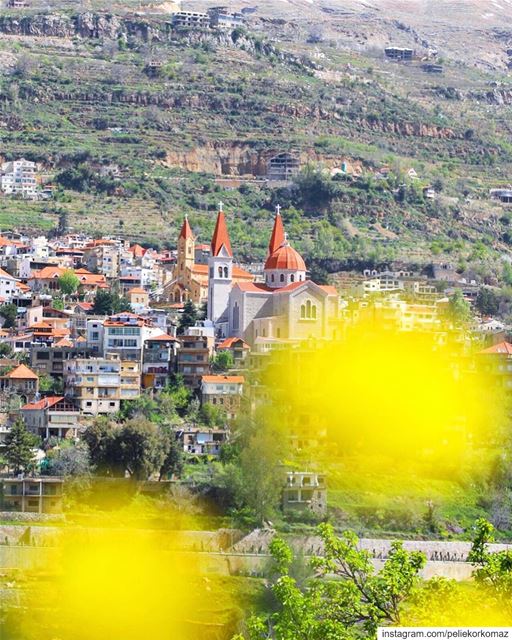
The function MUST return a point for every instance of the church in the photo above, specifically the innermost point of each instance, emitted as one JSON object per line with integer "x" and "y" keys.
{"x": 285, "y": 307}
{"x": 189, "y": 280}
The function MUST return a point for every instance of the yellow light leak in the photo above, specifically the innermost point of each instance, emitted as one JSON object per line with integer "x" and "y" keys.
{"x": 111, "y": 584}
{"x": 382, "y": 393}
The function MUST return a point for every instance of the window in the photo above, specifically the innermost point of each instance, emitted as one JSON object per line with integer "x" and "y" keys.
{"x": 292, "y": 278}
{"x": 302, "y": 311}
{"x": 272, "y": 277}
{"x": 226, "y": 272}
{"x": 281, "y": 277}
{"x": 308, "y": 311}
{"x": 220, "y": 272}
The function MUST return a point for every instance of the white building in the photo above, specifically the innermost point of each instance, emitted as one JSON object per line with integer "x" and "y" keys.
{"x": 19, "y": 177}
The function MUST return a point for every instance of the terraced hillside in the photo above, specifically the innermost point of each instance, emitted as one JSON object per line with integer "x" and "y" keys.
{"x": 177, "y": 110}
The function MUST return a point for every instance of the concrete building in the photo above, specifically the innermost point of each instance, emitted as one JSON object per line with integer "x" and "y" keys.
{"x": 54, "y": 416}
{"x": 224, "y": 392}
{"x": 94, "y": 384}
{"x": 194, "y": 355}
{"x": 125, "y": 334}
{"x": 305, "y": 491}
{"x": 283, "y": 167}
{"x": 19, "y": 177}
{"x": 400, "y": 54}
{"x": 158, "y": 361}
{"x": 191, "y": 20}
{"x": 201, "y": 441}
{"x": 32, "y": 495}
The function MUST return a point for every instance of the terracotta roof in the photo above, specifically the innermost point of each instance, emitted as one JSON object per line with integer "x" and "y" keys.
{"x": 64, "y": 342}
{"x": 137, "y": 250}
{"x": 254, "y": 287}
{"x": 277, "y": 238}
{"x": 220, "y": 236}
{"x": 23, "y": 287}
{"x": 21, "y": 372}
{"x": 186, "y": 231}
{"x": 329, "y": 289}
{"x": 47, "y": 272}
{"x": 137, "y": 290}
{"x": 4, "y": 274}
{"x": 500, "y": 348}
{"x": 228, "y": 342}
{"x": 40, "y": 325}
{"x": 85, "y": 306}
{"x": 203, "y": 247}
{"x": 219, "y": 379}
{"x": 44, "y": 403}
{"x": 163, "y": 338}
{"x": 286, "y": 258}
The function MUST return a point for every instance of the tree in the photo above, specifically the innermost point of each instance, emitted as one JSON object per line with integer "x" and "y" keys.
{"x": 100, "y": 438}
{"x": 493, "y": 570}
{"x": 346, "y": 599}
{"x": 140, "y": 448}
{"x": 188, "y": 317}
{"x": 223, "y": 361}
{"x": 68, "y": 282}
{"x": 459, "y": 310}
{"x": 9, "y": 313}
{"x": 487, "y": 302}
{"x": 173, "y": 461}
{"x": 69, "y": 461}
{"x": 262, "y": 476}
{"x": 107, "y": 303}
{"x": 19, "y": 445}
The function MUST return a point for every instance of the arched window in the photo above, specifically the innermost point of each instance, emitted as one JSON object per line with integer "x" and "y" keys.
{"x": 292, "y": 278}
{"x": 308, "y": 309}
{"x": 220, "y": 272}
{"x": 281, "y": 277}
{"x": 272, "y": 277}
{"x": 226, "y": 272}
{"x": 313, "y": 311}
{"x": 302, "y": 311}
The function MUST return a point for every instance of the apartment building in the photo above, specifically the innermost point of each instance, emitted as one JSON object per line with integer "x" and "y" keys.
{"x": 158, "y": 361}
{"x": 94, "y": 384}
{"x": 32, "y": 495}
{"x": 19, "y": 177}
{"x": 224, "y": 392}
{"x": 194, "y": 355}
{"x": 126, "y": 333}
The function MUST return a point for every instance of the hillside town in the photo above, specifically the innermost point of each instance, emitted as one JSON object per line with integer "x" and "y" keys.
{"x": 91, "y": 326}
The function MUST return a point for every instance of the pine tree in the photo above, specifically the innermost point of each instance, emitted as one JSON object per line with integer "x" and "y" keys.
{"x": 188, "y": 317}
{"x": 19, "y": 444}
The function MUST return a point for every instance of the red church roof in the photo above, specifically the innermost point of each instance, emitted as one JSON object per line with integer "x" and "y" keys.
{"x": 277, "y": 238}
{"x": 220, "y": 236}
{"x": 186, "y": 231}
{"x": 285, "y": 257}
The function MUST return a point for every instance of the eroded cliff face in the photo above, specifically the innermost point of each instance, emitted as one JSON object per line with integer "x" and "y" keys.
{"x": 239, "y": 159}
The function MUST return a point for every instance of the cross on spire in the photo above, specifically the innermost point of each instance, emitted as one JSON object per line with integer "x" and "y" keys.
{"x": 278, "y": 209}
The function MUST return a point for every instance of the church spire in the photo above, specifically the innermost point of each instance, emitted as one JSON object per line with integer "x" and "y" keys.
{"x": 277, "y": 238}
{"x": 220, "y": 235}
{"x": 186, "y": 231}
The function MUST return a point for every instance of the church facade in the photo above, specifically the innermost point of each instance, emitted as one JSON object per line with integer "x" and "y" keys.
{"x": 285, "y": 307}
